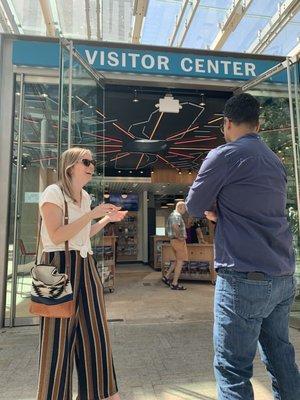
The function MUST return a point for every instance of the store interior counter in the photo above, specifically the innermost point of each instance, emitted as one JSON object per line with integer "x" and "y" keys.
{"x": 200, "y": 265}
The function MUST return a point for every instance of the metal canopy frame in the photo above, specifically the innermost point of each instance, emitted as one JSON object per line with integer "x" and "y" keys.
{"x": 12, "y": 17}
{"x": 285, "y": 12}
{"x": 48, "y": 17}
{"x": 233, "y": 18}
{"x": 4, "y": 22}
{"x": 178, "y": 22}
{"x": 140, "y": 8}
{"x": 182, "y": 26}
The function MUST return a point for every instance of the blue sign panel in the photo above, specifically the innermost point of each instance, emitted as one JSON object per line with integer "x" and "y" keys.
{"x": 135, "y": 60}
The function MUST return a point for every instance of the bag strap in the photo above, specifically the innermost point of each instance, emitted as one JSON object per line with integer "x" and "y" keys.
{"x": 67, "y": 251}
{"x": 38, "y": 241}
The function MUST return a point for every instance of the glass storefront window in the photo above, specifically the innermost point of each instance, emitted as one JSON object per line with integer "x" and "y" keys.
{"x": 277, "y": 132}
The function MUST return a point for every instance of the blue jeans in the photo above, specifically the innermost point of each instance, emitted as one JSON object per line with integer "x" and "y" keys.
{"x": 249, "y": 313}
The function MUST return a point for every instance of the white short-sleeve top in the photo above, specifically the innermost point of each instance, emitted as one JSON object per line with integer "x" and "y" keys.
{"x": 81, "y": 241}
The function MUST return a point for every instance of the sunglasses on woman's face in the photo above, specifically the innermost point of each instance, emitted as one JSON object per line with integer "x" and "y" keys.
{"x": 86, "y": 162}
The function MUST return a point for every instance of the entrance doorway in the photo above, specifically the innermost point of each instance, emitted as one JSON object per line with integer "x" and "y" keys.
{"x": 74, "y": 110}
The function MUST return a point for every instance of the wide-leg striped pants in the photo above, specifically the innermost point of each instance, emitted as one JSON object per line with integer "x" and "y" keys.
{"x": 84, "y": 337}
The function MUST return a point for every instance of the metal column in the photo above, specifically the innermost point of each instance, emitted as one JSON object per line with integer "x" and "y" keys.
{"x": 6, "y": 112}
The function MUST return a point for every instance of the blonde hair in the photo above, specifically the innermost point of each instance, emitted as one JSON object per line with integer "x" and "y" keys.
{"x": 67, "y": 160}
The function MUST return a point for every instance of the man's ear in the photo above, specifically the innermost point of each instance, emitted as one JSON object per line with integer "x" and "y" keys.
{"x": 229, "y": 123}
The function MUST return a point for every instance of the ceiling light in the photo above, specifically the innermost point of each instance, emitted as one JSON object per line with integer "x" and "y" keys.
{"x": 170, "y": 203}
{"x": 135, "y": 98}
{"x": 152, "y": 172}
{"x": 179, "y": 172}
{"x": 168, "y": 104}
{"x": 119, "y": 172}
{"x": 202, "y": 102}
{"x": 190, "y": 172}
{"x": 124, "y": 194}
{"x": 179, "y": 199}
{"x": 163, "y": 205}
{"x": 106, "y": 193}
{"x": 130, "y": 172}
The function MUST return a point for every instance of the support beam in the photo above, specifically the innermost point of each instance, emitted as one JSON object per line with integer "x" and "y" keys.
{"x": 262, "y": 77}
{"x": 187, "y": 23}
{"x": 99, "y": 17}
{"x": 12, "y": 17}
{"x": 233, "y": 18}
{"x": 285, "y": 12}
{"x": 178, "y": 22}
{"x": 48, "y": 18}
{"x": 139, "y": 12}
{"x": 295, "y": 52}
{"x": 88, "y": 19}
{"x": 4, "y": 22}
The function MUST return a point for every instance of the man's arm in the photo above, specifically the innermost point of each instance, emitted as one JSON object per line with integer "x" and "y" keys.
{"x": 176, "y": 230}
{"x": 210, "y": 180}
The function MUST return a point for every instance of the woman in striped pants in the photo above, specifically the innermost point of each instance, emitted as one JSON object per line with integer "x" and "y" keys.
{"x": 83, "y": 338}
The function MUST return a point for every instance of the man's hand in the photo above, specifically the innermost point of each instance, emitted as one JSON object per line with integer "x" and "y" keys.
{"x": 211, "y": 216}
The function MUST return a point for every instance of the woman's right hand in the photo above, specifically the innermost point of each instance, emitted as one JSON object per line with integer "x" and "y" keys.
{"x": 103, "y": 209}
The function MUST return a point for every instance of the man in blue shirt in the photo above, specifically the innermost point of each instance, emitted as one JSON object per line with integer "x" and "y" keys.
{"x": 242, "y": 187}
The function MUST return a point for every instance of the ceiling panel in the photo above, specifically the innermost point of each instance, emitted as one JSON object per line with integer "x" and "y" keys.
{"x": 30, "y": 16}
{"x": 112, "y": 20}
{"x": 205, "y": 25}
{"x": 257, "y": 17}
{"x": 287, "y": 39}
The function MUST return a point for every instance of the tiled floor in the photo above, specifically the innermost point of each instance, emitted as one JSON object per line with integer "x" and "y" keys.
{"x": 161, "y": 341}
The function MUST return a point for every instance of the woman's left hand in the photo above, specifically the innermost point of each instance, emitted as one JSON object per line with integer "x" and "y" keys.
{"x": 116, "y": 216}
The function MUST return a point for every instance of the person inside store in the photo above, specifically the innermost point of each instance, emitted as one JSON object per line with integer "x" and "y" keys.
{"x": 254, "y": 255}
{"x": 177, "y": 233}
{"x": 83, "y": 337}
{"x": 194, "y": 232}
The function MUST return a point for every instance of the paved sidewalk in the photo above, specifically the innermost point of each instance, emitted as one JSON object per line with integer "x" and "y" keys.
{"x": 162, "y": 347}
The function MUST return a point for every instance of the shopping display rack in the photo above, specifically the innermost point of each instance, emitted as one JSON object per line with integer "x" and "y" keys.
{"x": 105, "y": 257}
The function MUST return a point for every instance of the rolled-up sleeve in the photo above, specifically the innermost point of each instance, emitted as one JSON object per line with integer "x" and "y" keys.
{"x": 210, "y": 180}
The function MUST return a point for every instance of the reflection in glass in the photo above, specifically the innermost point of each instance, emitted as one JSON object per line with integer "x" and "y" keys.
{"x": 37, "y": 170}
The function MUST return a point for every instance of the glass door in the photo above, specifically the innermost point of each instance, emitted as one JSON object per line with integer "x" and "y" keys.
{"x": 83, "y": 120}
{"x": 34, "y": 166}
{"x": 278, "y": 93}
{"x": 48, "y": 118}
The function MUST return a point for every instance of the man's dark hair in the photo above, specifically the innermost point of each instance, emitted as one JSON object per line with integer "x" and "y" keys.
{"x": 242, "y": 109}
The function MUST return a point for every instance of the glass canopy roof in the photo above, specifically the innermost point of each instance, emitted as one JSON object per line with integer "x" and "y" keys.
{"x": 253, "y": 26}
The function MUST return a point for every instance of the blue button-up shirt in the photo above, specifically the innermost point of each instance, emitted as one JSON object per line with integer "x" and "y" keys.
{"x": 245, "y": 182}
